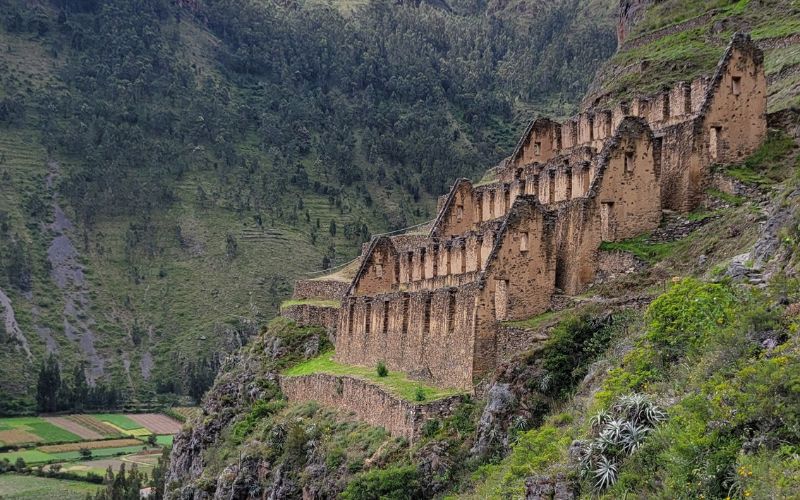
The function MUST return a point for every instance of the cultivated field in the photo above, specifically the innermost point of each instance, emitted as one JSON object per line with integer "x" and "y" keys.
{"x": 27, "y": 431}
{"x": 19, "y": 487}
{"x": 157, "y": 423}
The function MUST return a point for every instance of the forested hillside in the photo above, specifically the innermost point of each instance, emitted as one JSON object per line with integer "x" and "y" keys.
{"x": 169, "y": 167}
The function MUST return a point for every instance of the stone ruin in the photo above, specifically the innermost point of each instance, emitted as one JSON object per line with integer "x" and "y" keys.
{"x": 431, "y": 305}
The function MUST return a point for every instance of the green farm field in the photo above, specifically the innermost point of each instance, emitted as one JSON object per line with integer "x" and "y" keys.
{"x": 16, "y": 486}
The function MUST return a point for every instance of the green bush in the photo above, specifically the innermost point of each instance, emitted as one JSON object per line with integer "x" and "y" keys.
{"x": 573, "y": 344}
{"x": 381, "y": 369}
{"x": 419, "y": 394}
{"x": 399, "y": 482}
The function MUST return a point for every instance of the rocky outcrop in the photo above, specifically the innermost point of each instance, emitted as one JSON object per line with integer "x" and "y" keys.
{"x": 630, "y": 12}
{"x": 558, "y": 487}
{"x": 245, "y": 377}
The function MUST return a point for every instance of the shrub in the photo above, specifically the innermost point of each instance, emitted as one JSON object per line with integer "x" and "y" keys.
{"x": 381, "y": 369}
{"x": 419, "y": 394}
{"x": 399, "y": 482}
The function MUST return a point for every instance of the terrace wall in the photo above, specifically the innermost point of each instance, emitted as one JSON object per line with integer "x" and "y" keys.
{"x": 367, "y": 402}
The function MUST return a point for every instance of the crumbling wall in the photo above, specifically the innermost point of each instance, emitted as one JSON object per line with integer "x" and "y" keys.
{"x": 311, "y": 315}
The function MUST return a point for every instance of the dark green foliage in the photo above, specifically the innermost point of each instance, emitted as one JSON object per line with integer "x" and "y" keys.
{"x": 381, "y": 369}
{"x": 49, "y": 385}
{"x": 55, "y": 394}
{"x": 574, "y": 343}
{"x": 124, "y": 485}
{"x": 398, "y": 482}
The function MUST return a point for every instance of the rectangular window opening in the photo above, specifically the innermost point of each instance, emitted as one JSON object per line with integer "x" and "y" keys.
{"x": 523, "y": 242}
{"x": 629, "y": 161}
{"x": 537, "y": 148}
{"x": 736, "y": 85}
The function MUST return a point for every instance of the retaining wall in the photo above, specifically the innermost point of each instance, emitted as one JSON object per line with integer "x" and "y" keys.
{"x": 368, "y": 402}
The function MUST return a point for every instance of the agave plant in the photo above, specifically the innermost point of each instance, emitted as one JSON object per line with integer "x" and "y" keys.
{"x": 612, "y": 431}
{"x": 653, "y": 415}
{"x": 520, "y": 423}
{"x": 633, "y": 436}
{"x": 599, "y": 419}
{"x": 605, "y": 474}
{"x": 617, "y": 433}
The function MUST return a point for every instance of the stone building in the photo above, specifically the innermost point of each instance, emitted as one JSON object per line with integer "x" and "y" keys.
{"x": 430, "y": 305}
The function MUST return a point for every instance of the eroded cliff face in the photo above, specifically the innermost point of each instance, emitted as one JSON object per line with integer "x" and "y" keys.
{"x": 630, "y": 12}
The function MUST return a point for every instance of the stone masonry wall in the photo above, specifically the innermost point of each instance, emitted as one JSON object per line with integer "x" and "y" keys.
{"x": 311, "y": 315}
{"x": 368, "y": 402}
{"x": 320, "y": 289}
{"x": 428, "y": 335}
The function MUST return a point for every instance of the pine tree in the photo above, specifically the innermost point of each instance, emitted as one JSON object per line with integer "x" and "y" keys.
{"x": 48, "y": 387}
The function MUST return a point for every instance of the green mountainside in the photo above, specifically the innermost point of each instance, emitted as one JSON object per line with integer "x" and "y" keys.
{"x": 169, "y": 168}
{"x": 676, "y": 379}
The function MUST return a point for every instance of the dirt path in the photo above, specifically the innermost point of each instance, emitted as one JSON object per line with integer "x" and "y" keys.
{"x": 74, "y": 427}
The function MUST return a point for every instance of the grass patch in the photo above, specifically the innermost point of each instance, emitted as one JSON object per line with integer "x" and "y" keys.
{"x": 99, "y": 453}
{"x": 334, "y": 304}
{"x": 396, "y": 382}
{"x": 533, "y": 323}
{"x": 642, "y": 248}
{"x": 731, "y": 199}
{"x": 165, "y": 440}
{"x": 768, "y": 164}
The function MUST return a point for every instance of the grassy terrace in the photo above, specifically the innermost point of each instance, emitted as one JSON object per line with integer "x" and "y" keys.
{"x": 395, "y": 382}
{"x": 311, "y": 302}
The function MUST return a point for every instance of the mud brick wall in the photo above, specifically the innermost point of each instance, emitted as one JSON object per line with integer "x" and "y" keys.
{"x": 368, "y": 402}
{"x": 320, "y": 289}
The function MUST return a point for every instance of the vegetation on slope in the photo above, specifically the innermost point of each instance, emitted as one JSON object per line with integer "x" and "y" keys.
{"x": 685, "y": 52}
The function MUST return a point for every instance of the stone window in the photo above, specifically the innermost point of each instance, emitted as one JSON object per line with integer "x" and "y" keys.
{"x": 379, "y": 270}
{"x": 459, "y": 212}
{"x": 523, "y": 242}
{"x": 736, "y": 85}
{"x": 537, "y": 148}
{"x": 630, "y": 160}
